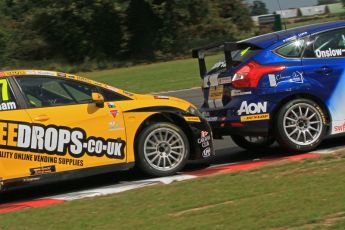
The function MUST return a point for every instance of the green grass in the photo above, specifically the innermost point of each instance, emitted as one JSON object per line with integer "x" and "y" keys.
{"x": 295, "y": 195}
{"x": 302, "y": 21}
{"x": 336, "y": 8}
{"x": 172, "y": 75}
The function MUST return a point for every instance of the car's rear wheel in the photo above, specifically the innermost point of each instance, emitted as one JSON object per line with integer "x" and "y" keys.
{"x": 163, "y": 149}
{"x": 300, "y": 125}
{"x": 252, "y": 143}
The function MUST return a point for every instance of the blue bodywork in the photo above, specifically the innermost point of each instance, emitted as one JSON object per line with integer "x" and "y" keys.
{"x": 319, "y": 79}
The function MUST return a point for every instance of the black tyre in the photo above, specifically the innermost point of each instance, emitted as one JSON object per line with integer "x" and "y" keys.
{"x": 162, "y": 150}
{"x": 253, "y": 143}
{"x": 300, "y": 125}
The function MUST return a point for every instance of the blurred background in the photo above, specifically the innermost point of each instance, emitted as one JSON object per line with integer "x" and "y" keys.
{"x": 87, "y": 35}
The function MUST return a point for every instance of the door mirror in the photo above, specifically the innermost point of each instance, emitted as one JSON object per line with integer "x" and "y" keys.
{"x": 98, "y": 99}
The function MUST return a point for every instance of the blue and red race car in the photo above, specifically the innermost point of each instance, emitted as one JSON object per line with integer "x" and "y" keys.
{"x": 287, "y": 86}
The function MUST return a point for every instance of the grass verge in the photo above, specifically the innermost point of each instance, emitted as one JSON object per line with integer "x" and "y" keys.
{"x": 172, "y": 75}
{"x": 307, "y": 20}
{"x": 295, "y": 195}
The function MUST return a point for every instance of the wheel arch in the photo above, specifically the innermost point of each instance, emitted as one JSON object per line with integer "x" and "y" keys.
{"x": 301, "y": 96}
{"x": 171, "y": 118}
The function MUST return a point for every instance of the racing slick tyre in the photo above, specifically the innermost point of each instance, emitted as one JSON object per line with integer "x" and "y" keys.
{"x": 300, "y": 125}
{"x": 252, "y": 143}
{"x": 162, "y": 150}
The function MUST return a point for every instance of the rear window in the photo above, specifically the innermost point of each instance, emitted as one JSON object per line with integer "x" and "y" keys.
{"x": 240, "y": 55}
{"x": 243, "y": 53}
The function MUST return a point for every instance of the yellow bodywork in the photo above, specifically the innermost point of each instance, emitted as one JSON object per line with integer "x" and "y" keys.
{"x": 36, "y": 141}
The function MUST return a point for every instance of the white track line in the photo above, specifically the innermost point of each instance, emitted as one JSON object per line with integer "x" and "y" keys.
{"x": 119, "y": 187}
{"x": 330, "y": 150}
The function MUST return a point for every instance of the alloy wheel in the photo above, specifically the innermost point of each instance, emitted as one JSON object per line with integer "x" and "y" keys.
{"x": 164, "y": 149}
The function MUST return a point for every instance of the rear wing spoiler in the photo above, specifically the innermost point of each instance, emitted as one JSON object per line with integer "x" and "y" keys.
{"x": 200, "y": 54}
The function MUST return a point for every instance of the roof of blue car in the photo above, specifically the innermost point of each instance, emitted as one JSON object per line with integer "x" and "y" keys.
{"x": 266, "y": 40}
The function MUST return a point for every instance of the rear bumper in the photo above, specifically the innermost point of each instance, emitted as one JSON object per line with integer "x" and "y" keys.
{"x": 249, "y": 114}
{"x": 226, "y": 128}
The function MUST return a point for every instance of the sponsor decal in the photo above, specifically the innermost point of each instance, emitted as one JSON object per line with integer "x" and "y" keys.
{"x": 14, "y": 73}
{"x": 56, "y": 140}
{"x": 290, "y": 38}
{"x": 252, "y": 108}
{"x": 224, "y": 80}
{"x": 41, "y": 158}
{"x": 61, "y": 74}
{"x": 204, "y": 139}
{"x": 41, "y": 72}
{"x": 219, "y": 64}
{"x": 235, "y": 93}
{"x": 216, "y": 93}
{"x": 114, "y": 113}
{"x": 8, "y": 105}
{"x": 302, "y": 34}
{"x": 272, "y": 79}
{"x": 160, "y": 97}
{"x": 128, "y": 93}
{"x": 111, "y": 105}
{"x": 113, "y": 125}
{"x": 243, "y": 52}
{"x": 296, "y": 77}
{"x": 78, "y": 78}
{"x": 338, "y": 128}
{"x": 42, "y": 170}
{"x": 210, "y": 119}
{"x": 31, "y": 179}
{"x": 204, "y": 133}
{"x": 112, "y": 88}
{"x": 192, "y": 119}
{"x": 329, "y": 53}
{"x": 206, "y": 153}
{"x": 295, "y": 37}
{"x": 4, "y": 90}
{"x": 256, "y": 117}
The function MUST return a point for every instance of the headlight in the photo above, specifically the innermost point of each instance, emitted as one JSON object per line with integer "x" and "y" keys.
{"x": 193, "y": 111}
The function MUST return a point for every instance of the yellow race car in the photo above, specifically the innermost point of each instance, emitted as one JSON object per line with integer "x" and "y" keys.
{"x": 57, "y": 126}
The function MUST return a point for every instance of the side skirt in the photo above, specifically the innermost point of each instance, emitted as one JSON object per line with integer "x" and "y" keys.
{"x": 62, "y": 176}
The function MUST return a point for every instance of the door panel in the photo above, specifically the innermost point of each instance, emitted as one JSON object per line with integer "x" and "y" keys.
{"x": 78, "y": 136}
{"x": 324, "y": 63}
{"x": 69, "y": 129}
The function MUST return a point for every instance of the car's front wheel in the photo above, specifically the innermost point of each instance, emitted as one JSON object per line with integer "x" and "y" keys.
{"x": 300, "y": 125}
{"x": 162, "y": 150}
{"x": 252, "y": 143}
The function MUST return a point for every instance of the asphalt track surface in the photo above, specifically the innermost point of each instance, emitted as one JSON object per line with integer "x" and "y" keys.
{"x": 226, "y": 153}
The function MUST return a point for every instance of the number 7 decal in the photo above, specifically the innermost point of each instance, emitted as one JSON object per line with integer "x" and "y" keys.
{"x": 4, "y": 89}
